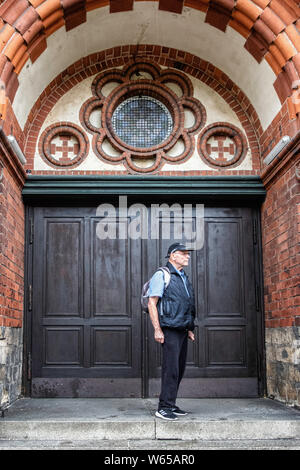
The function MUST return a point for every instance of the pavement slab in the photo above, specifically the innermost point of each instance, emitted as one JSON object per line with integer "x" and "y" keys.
{"x": 128, "y": 423}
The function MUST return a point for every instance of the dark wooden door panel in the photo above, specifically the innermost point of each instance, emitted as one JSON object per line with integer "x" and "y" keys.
{"x": 111, "y": 346}
{"x": 224, "y": 270}
{"x": 63, "y": 274}
{"x": 226, "y": 346}
{"x": 55, "y": 341}
{"x": 222, "y": 361}
{"x": 111, "y": 293}
{"x": 89, "y": 337}
{"x": 86, "y": 317}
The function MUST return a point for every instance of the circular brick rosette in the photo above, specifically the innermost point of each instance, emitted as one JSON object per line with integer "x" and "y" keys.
{"x": 63, "y": 144}
{"x": 222, "y": 144}
{"x": 142, "y": 117}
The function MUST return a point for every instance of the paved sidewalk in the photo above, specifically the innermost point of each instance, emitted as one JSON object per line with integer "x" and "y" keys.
{"x": 127, "y": 424}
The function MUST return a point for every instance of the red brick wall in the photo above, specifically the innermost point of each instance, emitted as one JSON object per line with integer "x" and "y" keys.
{"x": 280, "y": 239}
{"x": 11, "y": 248}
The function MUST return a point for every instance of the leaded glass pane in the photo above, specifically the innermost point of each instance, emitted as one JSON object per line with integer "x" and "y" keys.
{"x": 142, "y": 121}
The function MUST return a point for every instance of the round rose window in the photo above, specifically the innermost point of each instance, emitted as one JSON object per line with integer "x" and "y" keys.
{"x": 142, "y": 121}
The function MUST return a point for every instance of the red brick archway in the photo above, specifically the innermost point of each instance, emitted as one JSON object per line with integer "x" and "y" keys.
{"x": 202, "y": 70}
{"x": 270, "y": 29}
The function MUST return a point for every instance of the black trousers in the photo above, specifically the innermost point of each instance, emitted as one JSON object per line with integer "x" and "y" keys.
{"x": 174, "y": 350}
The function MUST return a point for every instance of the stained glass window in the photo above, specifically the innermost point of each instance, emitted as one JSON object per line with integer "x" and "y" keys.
{"x": 142, "y": 121}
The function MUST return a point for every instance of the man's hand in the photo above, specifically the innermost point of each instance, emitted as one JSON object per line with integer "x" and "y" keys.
{"x": 158, "y": 333}
{"x": 159, "y": 336}
{"x": 191, "y": 336}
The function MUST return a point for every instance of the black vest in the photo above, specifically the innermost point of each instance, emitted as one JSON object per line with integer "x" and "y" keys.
{"x": 177, "y": 309}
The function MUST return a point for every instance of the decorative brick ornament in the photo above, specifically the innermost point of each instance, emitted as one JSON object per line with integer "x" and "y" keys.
{"x": 63, "y": 144}
{"x": 222, "y": 144}
{"x": 142, "y": 117}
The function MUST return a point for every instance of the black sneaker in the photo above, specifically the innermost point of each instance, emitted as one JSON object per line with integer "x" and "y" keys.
{"x": 177, "y": 411}
{"x": 166, "y": 414}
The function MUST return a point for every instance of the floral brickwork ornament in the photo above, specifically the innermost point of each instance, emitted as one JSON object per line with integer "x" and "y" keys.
{"x": 138, "y": 116}
{"x": 63, "y": 144}
{"x": 222, "y": 144}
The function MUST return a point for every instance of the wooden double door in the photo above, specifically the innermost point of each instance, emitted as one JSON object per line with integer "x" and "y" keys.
{"x": 87, "y": 336}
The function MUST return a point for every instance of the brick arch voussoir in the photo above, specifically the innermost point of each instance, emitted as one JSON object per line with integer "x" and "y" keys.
{"x": 189, "y": 64}
{"x": 270, "y": 28}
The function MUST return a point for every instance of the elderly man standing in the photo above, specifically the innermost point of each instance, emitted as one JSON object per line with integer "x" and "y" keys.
{"x": 172, "y": 313}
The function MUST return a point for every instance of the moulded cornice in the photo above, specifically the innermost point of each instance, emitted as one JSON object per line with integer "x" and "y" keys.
{"x": 220, "y": 188}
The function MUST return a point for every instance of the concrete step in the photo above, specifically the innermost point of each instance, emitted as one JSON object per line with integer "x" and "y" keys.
{"x": 133, "y": 420}
{"x": 152, "y": 445}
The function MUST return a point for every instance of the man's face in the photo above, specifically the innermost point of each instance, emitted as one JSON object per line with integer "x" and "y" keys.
{"x": 181, "y": 258}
